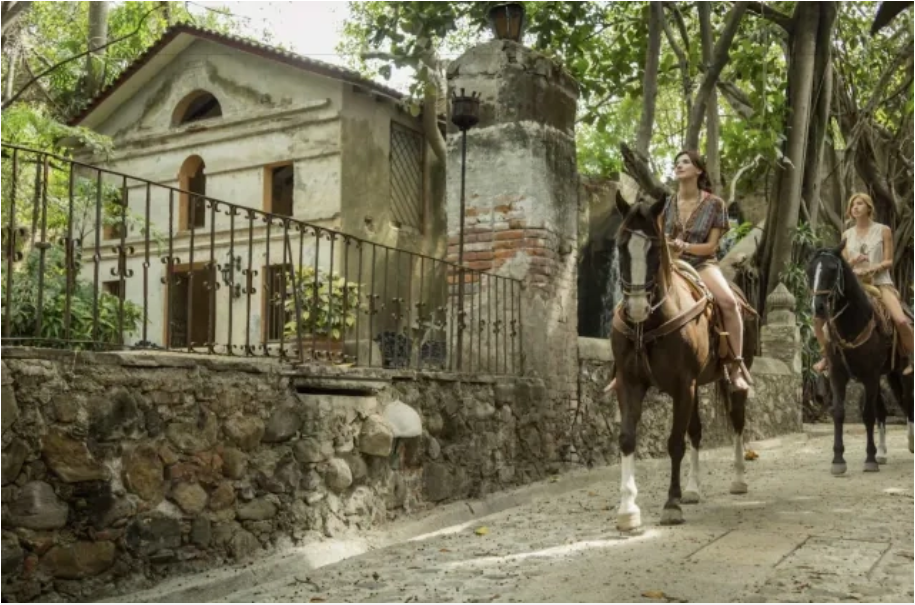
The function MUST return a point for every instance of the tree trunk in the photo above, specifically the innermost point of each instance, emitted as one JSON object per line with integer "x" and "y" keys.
{"x": 167, "y": 12}
{"x": 810, "y": 192}
{"x": 712, "y": 126}
{"x": 650, "y": 82}
{"x": 682, "y": 60}
{"x": 782, "y": 218}
{"x": 12, "y": 64}
{"x": 98, "y": 36}
{"x": 719, "y": 60}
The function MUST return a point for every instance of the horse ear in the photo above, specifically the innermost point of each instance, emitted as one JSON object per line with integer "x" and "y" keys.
{"x": 841, "y": 247}
{"x": 657, "y": 208}
{"x": 622, "y": 206}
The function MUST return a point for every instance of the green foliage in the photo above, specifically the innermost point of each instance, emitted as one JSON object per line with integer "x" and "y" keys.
{"x": 806, "y": 242}
{"x": 47, "y": 288}
{"x": 327, "y": 305}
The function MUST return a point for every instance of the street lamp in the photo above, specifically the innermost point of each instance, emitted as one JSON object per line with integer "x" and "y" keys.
{"x": 465, "y": 114}
{"x": 507, "y": 21}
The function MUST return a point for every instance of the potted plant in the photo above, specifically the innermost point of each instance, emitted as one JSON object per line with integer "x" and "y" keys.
{"x": 321, "y": 309}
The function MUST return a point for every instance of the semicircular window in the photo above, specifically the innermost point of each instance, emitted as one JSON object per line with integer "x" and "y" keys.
{"x": 199, "y": 105}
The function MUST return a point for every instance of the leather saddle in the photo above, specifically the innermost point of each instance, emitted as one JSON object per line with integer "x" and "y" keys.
{"x": 699, "y": 290}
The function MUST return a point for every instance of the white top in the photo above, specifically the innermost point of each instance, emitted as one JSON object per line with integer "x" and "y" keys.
{"x": 871, "y": 245}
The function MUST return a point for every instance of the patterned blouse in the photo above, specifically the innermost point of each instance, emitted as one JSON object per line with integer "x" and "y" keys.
{"x": 710, "y": 213}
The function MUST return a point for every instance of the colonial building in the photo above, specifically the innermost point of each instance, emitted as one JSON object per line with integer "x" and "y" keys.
{"x": 261, "y": 128}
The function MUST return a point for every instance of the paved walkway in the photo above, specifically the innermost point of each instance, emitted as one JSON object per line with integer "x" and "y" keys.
{"x": 800, "y": 535}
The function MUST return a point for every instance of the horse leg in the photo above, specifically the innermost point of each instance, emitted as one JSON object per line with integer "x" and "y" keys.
{"x": 692, "y": 495}
{"x": 871, "y": 393}
{"x": 839, "y": 383}
{"x": 881, "y": 428}
{"x": 676, "y": 448}
{"x": 628, "y": 515}
{"x": 737, "y": 406}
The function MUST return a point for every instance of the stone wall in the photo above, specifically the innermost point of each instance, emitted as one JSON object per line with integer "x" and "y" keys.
{"x": 119, "y": 469}
{"x": 774, "y": 409}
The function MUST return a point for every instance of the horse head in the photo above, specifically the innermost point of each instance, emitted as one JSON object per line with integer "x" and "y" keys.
{"x": 826, "y": 274}
{"x": 640, "y": 246}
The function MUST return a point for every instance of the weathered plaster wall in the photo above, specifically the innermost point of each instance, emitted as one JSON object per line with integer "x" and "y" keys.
{"x": 119, "y": 469}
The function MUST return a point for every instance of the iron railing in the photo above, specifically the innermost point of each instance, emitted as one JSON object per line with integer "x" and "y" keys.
{"x": 98, "y": 259}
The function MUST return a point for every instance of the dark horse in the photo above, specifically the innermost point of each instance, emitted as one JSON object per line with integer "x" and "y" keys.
{"x": 665, "y": 336}
{"x": 858, "y": 349}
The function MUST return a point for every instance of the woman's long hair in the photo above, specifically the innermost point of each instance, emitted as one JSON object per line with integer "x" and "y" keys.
{"x": 704, "y": 182}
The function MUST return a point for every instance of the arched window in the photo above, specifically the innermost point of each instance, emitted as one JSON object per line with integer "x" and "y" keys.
{"x": 192, "y": 212}
{"x": 199, "y": 105}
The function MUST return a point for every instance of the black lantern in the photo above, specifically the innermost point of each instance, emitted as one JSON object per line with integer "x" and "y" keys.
{"x": 228, "y": 271}
{"x": 465, "y": 110}
{"x": 507, "y": 21}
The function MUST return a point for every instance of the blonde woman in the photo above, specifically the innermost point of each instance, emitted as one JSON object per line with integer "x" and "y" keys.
{"x": 869, "y": 250}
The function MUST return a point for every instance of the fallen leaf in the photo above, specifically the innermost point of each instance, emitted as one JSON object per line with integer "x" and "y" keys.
{"x": 481, "y": 531}
{"x": 750, "y": 455}
{"x": 444, "y": 550}
{"x": 316, "y": 600}
{"x": 654, "y": 594}
{"x": 592, "y": 494}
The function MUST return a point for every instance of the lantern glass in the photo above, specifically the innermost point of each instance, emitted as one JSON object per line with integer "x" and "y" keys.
{"x": 507, "y": 21}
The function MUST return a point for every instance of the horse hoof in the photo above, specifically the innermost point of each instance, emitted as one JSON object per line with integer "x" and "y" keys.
{"x": 739, "y": 488}
{"x": 871, "y": 467}
{"x": 672, "y": 516}
{"x": 881, "y": 459}
{"x": 629, "y": 521}
{"x": 838, "y": 469}
{"x": 690, "y": 498}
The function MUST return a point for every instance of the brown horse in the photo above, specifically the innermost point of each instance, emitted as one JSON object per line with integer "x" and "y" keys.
{"x": 664, "y": 335}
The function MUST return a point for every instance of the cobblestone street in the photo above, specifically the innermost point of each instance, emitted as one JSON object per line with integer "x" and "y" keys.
{"x": 801, "y": 535}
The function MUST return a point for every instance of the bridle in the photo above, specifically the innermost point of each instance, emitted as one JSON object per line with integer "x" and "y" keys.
{"x": 650, "y": 288}
{"x": 832, "y": 295}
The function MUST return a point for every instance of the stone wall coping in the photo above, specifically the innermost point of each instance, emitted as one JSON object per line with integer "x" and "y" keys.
{"x": 594, "y": 349}
{"x": 316, "y": 375}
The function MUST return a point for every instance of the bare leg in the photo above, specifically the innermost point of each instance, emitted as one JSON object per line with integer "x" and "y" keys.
{"x": 902, "y": 322}
{"x": 733, "y": 320}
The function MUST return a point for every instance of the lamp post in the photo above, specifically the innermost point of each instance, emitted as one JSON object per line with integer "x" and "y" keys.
{"x": 465, "y": 114}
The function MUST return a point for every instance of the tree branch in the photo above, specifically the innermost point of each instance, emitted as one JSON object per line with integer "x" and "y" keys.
{"x": 736, "y": 98}
{"x": 637, "y": 167}
{"x": 650, "y": 81}
{"x": 28, "y": 84}
{"x": 10, "y": 13}
{"x": 773, "y": 16}
{"x": 719, "y": 60}
{"x": 682, "y": 59}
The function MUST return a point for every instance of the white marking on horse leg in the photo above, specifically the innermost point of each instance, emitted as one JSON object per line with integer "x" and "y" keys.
{"x": 692, "y": 494}
{"x": 739, "y": 485}
{"x": 629, "y": 516}
{"x": 881, "y": 443}
{"x": 637, "y": 247}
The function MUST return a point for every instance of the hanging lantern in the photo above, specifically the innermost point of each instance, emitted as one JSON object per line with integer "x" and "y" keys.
{"x": 507, "y": 21}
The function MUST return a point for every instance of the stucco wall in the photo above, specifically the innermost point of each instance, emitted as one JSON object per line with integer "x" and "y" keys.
{"x": 338, "y": 140}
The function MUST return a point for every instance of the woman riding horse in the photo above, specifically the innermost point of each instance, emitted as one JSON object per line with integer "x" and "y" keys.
{"x": 869, "y": 250}
{"x": 694, "y": 220}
